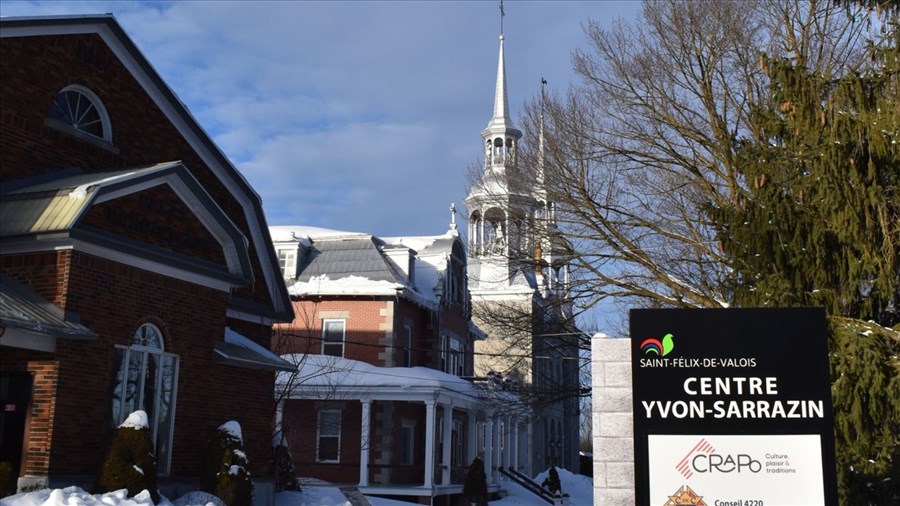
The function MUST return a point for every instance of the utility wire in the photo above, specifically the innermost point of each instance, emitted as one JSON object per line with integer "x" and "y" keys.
{"x": 391, "y": 346}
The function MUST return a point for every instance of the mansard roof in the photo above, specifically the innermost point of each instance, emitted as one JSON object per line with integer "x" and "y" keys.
{"x": 350, "y": 263}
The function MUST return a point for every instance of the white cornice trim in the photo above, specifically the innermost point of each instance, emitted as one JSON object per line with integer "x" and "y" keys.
{"x": 13, "y": 247}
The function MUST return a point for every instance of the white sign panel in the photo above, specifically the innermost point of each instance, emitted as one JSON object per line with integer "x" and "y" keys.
{"x": 732, "y": 470}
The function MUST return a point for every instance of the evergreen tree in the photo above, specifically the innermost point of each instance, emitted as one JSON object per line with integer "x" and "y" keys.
{"x": 817, "y": 223}
{"x": 130, "y": 462}
{"x": 552, "y": 482}
{"x": 225, "y": 473}
{"x": 282, "y": 464}
{"x": 475, "y": 486}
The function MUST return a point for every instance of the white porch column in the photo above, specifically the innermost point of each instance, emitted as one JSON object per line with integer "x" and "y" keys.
{"x": 364, "y": 431}
{"x": 507, "y": 446}
{"x": 514, "y": 447}
{"x": 481, "y": 235}
{"x": 447, "y": 435}
{"x": 279, "y": 415}
{"x": 472, "y": 441}
{"x": 429, "y": 444}
{"x": 495, "y": 451}
{"x": 489, "y": 446}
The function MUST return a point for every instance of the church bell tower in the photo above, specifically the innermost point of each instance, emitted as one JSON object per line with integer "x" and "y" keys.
{"x": 519, "y": 286}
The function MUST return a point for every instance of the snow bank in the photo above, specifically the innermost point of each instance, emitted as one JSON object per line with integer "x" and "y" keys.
{"x": 75, "y": 496}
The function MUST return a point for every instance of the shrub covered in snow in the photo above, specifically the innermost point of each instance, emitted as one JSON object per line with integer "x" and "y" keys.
{"x": 552, "y": 483}
{"x": 282, "y": 464}
{"x": 225, "y": 472}
{"x": 130, "y": 462}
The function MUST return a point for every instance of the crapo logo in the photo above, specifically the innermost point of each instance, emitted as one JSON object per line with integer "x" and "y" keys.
{"x": 653, "y": 346}
{"x": 703, "y": 459}
{"x": 684, "y": 465}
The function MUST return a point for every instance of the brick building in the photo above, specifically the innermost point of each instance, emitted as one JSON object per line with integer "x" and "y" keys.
{"x": 136, "y": 265}
{"x": 383, "y": 397}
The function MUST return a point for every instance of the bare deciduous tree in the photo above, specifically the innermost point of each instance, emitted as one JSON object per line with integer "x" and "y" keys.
{"x": 633, "y": 153}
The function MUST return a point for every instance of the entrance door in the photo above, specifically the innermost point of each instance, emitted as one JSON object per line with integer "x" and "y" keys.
{"x": 15, "y": 398}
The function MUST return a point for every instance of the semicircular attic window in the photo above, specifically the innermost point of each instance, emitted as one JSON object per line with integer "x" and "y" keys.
{"x": 79, "y": 108}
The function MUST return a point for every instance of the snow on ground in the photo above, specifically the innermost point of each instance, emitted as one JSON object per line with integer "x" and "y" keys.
{"x": 579, "y": 488}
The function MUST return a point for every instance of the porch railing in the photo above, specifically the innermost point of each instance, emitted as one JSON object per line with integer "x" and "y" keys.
{"x": 528, "y": 484}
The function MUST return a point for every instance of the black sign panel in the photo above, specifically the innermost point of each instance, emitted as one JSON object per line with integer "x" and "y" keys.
{"x": 732, "y": 406}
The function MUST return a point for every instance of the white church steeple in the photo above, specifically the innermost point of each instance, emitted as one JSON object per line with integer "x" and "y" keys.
{"x": 500, "y": 137}
{"x": 516, "y": 275}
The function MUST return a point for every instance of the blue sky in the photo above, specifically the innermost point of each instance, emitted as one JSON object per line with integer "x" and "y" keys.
{"x": 361, "y": 116}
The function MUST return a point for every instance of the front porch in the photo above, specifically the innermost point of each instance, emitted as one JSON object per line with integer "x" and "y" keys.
{"x": 416, "y": 430}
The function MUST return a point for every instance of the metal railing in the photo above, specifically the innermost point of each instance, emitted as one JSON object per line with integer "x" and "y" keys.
{"x": 528, "y": 484}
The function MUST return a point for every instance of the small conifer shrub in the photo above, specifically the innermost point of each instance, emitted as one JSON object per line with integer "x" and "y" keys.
{"x": 7, "y": 479}
{"x": 130, "y": 462}
{"x": 475, "y": 486}
{"x": 225, "y": 473}
{"x": 552, "y": 482}
{"x": 282, "y": 464}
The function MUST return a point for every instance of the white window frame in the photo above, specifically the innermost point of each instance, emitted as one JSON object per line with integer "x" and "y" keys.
{"x": 287, "y": 261}
{"x": 95, "y": 103}
{"x": 325, "y": 342}
{"x": 408, "y": 442}
{"x": 319, "y": 435}
{"x": 407, "y": 345}
{"x": 146, "y": 352}
{"x": 453, "y": 363}
{"x": 457, "y": 455}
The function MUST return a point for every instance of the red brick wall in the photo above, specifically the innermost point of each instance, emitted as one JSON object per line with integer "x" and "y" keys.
{"x": 300, "y": 428}
{"x": 365, "y": 337}
{"x": 423, "y": 339}
{"x": 363, "y": 332}
{"x": 42, "y": 416}
{"x": 157, "y": 216}
{"x": 114, "y": 300}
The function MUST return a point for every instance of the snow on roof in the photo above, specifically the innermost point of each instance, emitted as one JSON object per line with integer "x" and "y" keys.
{"x": 349, "y": 285}
{"x": 353, "y": 263}
{"x": 298, "y": 232}
{"x": 316, "y": 371}
{"x": 336, "y": 378}
{"x": 241, "y": 350}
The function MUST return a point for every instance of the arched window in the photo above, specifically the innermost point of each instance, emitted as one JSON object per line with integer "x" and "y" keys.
{"x": 147, "y": 380}
{"x": 79, "y": 108}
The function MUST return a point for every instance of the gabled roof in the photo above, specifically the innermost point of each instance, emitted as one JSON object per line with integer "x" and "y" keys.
{"x": 49, "y": 208}
{"x": 171, "y": 106}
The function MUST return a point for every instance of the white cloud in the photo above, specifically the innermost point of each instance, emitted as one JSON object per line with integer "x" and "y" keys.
{"x": 360, "y": 116}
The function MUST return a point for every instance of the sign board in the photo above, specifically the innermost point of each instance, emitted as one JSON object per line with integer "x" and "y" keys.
{"x": 732, "y": 407}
